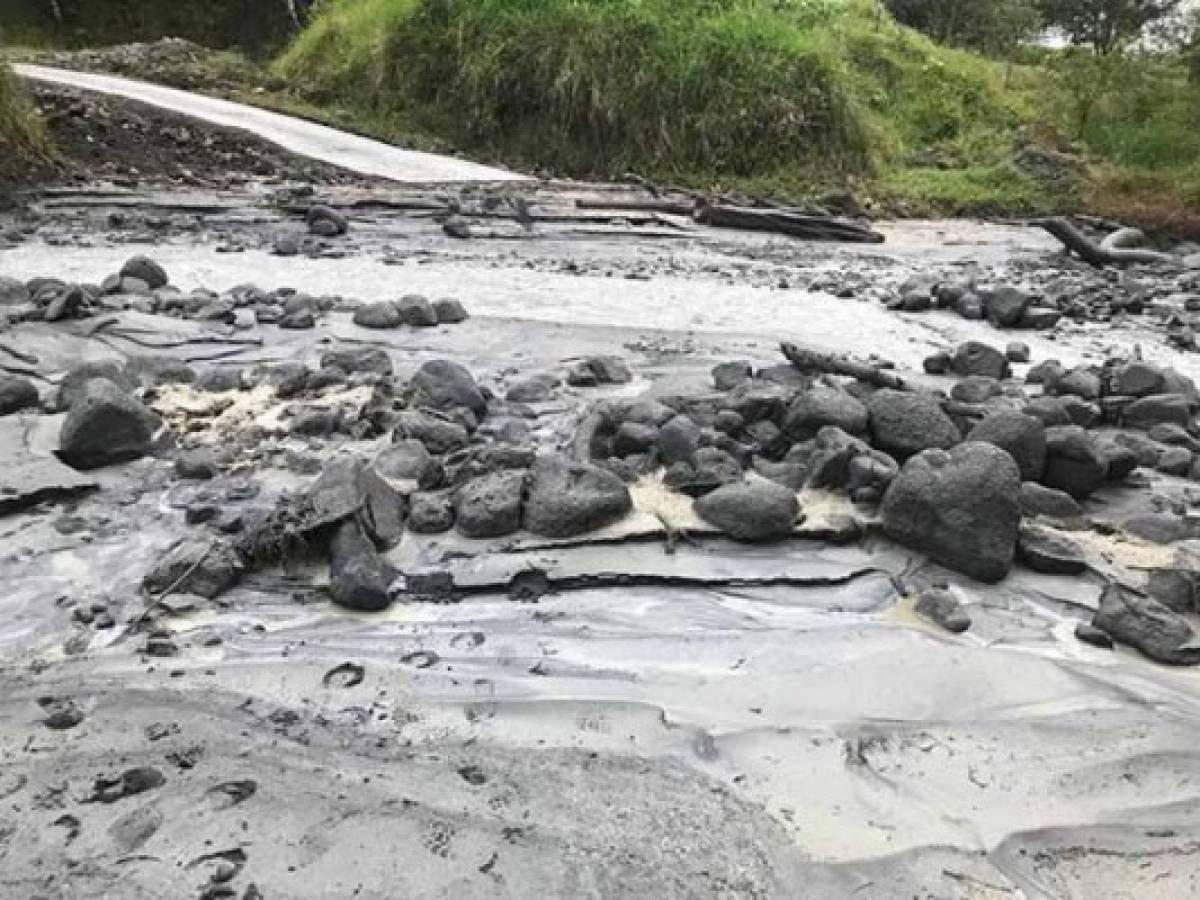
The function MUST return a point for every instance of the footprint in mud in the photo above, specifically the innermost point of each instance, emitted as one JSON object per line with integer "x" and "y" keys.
{"x": 438, "y": 838}
{"x": 421, "y": 659}
{"x": 71, "y": 824}
{"x": 133, "y": 829}
{"x": 467, "y": 640}
{"x": 230, "y": 793}
{"x": 472, "y": 775}
{"x": 61, "y": 713}
{"x": 347, "y": 675}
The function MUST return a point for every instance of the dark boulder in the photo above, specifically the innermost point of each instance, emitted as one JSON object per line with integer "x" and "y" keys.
{"x": 1048, "y": 552}
{"x": 16, "y": 393}
{"x": 1074, "y": 462}
{"x": 105, "y": 426}
{"x": 823, "y": 405}
{"x": 408, "y": 466}
{"x": 904, "y": 423}
{"x": 325, "y": 221}
{"x": 147, "y": 271}
{"x": 430, "y": 512}
{"x": 1006, "y": 306}
{"x": 728, "y": 375}
{"x": 566, "y": 499}
{"x": 1022, "y": 437}
{"x": 203, "y": 567}
{"x": 437, "y": 434}
{"x": 751, "y": 511}
{"x": 1039, "y": 500}
{"x": 417, "y": 311}
{"x": 959, "y": 507}
{"x": 449, "y": 311}
{"x": 975, "y": 358}
{"x": 1079, "y": 382}
{"x": 1147, "y": 412}
{"x": 976, "y": 389}
{"x": 1146, "y": 625}
{"x": 382, "y": 314}
{"x": 73, "y": 383}
{"x": 359, "y": 578}
{"x": 678, "y": 439}
{"x": 371, "y": 362}
{"x": 443, "y": 384}
{"x": 490, "y": 506}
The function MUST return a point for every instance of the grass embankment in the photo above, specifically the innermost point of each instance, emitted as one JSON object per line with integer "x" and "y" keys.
{"x": 770, "y": 96}
{"x": 23, "y": 149}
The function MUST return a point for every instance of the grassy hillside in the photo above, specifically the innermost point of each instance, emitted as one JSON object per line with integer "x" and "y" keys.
{"x": 23, "y": 149}
{"x": 767, "y": 95}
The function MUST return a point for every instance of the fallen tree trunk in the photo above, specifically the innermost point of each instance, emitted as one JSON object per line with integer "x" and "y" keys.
{"x": 786, "y": 221}
{"x": 815, "y": 361}
{"x": 1099, "y": 255}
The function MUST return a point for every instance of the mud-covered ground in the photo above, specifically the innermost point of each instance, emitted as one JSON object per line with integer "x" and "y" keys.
{"x": 660, "y": 713}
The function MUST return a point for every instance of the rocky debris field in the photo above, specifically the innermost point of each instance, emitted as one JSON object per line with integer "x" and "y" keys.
{"x": 854, "y": 568}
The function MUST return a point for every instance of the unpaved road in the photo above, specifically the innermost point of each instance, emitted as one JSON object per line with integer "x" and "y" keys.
{"x": 348, "y": 151}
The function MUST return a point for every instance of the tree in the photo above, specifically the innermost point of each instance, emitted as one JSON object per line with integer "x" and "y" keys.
{"x": 1105, "y": 25}
{"x": 994, "y": 26}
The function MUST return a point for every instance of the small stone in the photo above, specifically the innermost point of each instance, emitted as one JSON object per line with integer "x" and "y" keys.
{"x": 942, "y": 608}
{"x": 1017, "y": 352}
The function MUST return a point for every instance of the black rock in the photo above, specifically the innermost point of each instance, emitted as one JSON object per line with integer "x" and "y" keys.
{"x": 1079, "y": 382}
{"x": 905, "y": 423}
{"x": 678, "y": 439}
{"x": 1017, "y": 352}
{"x": 449, "y": 311}
{"x": 359, "y": 577}
{"x": 438, "y": 435}
{"x": 1022, "y": 437}
{"x": 371, "y": 362}
{"x": 941, "y": 607}
{"x": 1090, "y": 634}
{"x": 443, "y": 384}
{"x": 1006, "y": 306}
{"x": 201, "y": 566}
{"x": 16, "y": 393}
{"x": 1074, "y": 462}
{"x": 407, "y": 466}
{"x": 726, "y": 376}
{"x": 959, "y": 507}
{"x": 73, "y": 383}
{"x": 634, "y": 437}
{"x": 1039, "y": 500}
{"x": 1147, "y": 412}
{"x": 976, "y": 389}
{"x": 535, "y": 389}
{"x": 750, "y": 511}
{"x": 382, "y": 314}
{"x": 105, "y": 427}
{"x": 416, "y": 311}
{"x": 146, "y": 270}
{"x": 1050, "y": 553}
{"x": 566, "y": 499}
{"x": 430, "y": 513}
{"x": 297, "y": 321}
{"x": 814, "y": 409}
{"x": 1148, "y": 626}
{"x": 325, "y": 221}
{"x": 490, "y": 506}
{"x": 1176, "y": 589}
{"x": 200, "y": 464}
{"x": 937, "y": 363}
{"x": 1136, "y": 379}
{"x": 975, "y": 358}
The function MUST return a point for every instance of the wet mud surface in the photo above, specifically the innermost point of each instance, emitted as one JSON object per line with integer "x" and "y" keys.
{"x": 643, "y": 716}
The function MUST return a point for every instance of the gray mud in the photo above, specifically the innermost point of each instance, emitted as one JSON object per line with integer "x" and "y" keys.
{"x": 729, "y": 723}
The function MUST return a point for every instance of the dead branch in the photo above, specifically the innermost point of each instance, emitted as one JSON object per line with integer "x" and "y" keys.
{"x": 1099, "y": 255}
{"x": 815, "y": 361}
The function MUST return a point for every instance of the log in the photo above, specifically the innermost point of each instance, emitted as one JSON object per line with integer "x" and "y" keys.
{"x": 792, "y": 222}
{"x": 815, "y": 361}
{"x": 1098, "y": 255}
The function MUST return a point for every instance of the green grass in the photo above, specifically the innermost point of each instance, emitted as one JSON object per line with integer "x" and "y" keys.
{"x": 23, "y": 148}
{"x": 773, "y": 96}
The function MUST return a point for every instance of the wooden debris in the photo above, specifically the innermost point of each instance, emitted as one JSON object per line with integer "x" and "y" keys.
{"x": 1112, "y": 252}
{"x": 815, "y": 361}
{"x": 792, "y": 222}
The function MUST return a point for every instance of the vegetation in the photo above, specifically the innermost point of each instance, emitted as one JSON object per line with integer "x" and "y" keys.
{"x": 23, "y": 148}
